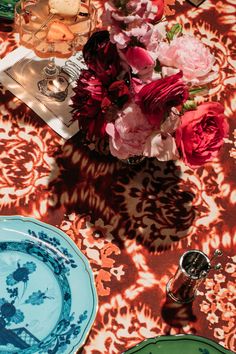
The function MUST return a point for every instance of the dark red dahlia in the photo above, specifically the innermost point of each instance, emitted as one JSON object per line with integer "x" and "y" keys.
{"x": 92, "y": 101}
{"x": 101, "y": 56}
{"x": 103, "y": 88}
{"x": 86, "y": 106}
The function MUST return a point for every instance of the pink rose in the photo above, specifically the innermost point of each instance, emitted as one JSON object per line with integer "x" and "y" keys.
{"x": 201, "y": 133}
{"x": 190, "y": 55}
{"x": 128, "y": 133}
{"x": 158, "y": 97}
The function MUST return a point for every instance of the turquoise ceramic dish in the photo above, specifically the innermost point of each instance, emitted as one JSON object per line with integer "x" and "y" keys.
{"x": 48, "y": 300}
{"x": 180, "y": 344}
{"x": 7, "y": 8}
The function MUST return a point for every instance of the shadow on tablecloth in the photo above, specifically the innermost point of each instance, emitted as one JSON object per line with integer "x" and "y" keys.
{"x": 151, "y": 202}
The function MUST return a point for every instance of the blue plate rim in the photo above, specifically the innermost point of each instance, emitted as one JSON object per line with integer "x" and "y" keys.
{"x": 163, "y": 338}
{"x": 84, "y": 259}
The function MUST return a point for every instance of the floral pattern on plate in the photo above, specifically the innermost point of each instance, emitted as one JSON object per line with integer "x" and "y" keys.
{"x": 40, "y": 310}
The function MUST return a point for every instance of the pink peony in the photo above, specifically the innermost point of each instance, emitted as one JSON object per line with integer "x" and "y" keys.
{"x": 161, "y": 144}
{"x": 128, "y": 133}
{"x": 201, "y": 133}
{"x": 163, "y": 147}
{"x": 190, "y": 55}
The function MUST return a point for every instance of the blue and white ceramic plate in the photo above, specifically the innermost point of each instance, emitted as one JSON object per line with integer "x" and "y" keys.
{"x": 48, "y": 299}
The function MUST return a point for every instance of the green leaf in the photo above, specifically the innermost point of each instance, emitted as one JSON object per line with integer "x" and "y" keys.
{"x": 197, "y": 90}
{"x": 189, "y": 105}
{"x": 175, "y": 30}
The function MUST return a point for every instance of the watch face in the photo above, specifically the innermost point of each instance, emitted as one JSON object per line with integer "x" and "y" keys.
{"x": 7, "y": 9}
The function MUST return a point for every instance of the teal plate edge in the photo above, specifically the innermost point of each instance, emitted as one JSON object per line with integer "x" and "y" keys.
{"x": 201, "y": 340}
{"x": 79, "y": 253}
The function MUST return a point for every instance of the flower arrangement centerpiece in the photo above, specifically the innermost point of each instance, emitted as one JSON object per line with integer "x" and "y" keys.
{"x": 139, "y": 88}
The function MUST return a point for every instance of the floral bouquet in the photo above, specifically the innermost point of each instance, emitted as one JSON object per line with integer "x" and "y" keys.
{"x": 141, "y": 84}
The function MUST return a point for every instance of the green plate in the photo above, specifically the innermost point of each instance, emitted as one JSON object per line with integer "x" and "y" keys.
{"x": 180, "y": 344}
{"x": 7, "y": 8}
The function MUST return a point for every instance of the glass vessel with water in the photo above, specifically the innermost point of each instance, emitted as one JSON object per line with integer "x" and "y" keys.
{"x": 51, "y": 28}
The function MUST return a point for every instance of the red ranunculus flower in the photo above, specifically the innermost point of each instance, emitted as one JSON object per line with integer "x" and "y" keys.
{"x": 101, "y": 56}
{"x": 157, "y": 97}
{"x": 86, "y": 104}
{"x": 201, "y": 133}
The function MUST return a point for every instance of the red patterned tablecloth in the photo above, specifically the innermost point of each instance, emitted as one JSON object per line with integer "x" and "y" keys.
{"x": 134, "y": 222}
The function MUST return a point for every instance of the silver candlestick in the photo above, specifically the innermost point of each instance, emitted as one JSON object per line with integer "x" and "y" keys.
{"x": 194, "y": 266}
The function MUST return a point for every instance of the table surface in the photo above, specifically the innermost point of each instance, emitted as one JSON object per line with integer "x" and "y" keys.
{"x": 134, "y": 222}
